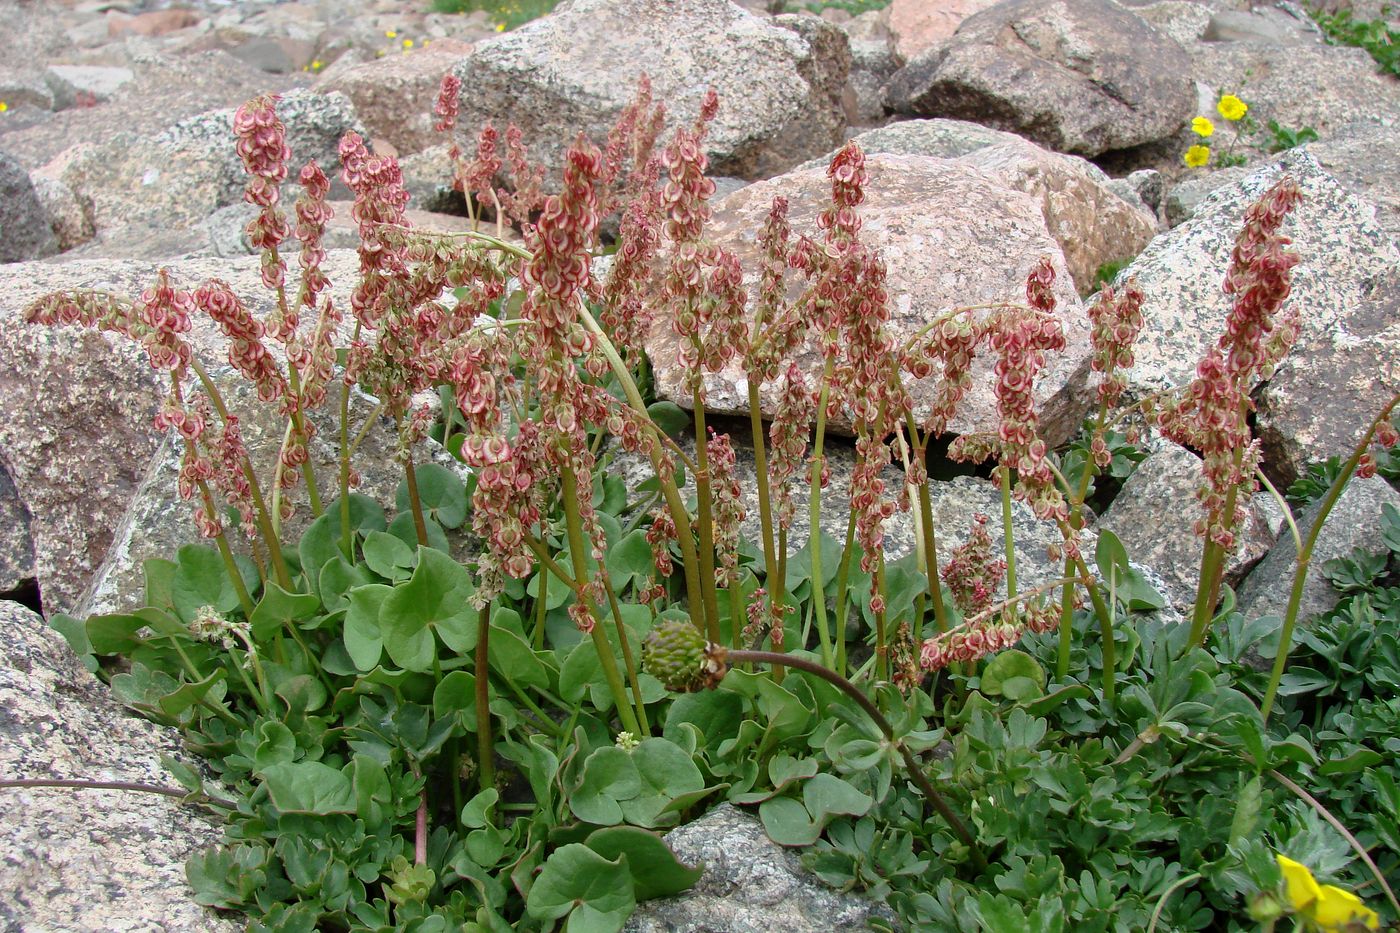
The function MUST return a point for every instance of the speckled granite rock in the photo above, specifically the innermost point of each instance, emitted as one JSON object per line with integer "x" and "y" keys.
{"x": 1354, "y": 522}
{"x": 1325, "y": 394}
{"x": 950, "y": 235}
{"x": 1081, "y": 76}
{"x": 27, "y": 231}
{"x": 919, "y": 25}
{"x": 1342, "y": 247}
{"x": 77, "y": 435}
{"x": 1091, "y": 223}
{"x": 750, "y": 885}
{"x": 1154, "y": 516}
{"x": 780, "y": 99}
{"x": 1187, "y": 193}
{"x": 190, "y": 169}
{"x": 16, "y": 542}
{"x": 1365, "y": 158}
{"x": 87, "y": 861}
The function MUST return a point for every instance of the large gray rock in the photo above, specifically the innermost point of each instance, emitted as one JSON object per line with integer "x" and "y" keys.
{"x": 750, "y": 885}
{"x": 1343, "y": 249}
{"x": 1189, "y": 191}
{"x": 950, "y": 235}
{"x": 16, "y": 543}
{"x": 1154, "y": 515}
{"x": 1091, "y": 223}
{"x": 1081, "y": 76}
{"x": 1342, "y": 83}
{"x": 1355, "y": 522}
{"x": 69, "y": 216}
{"x": 27, "y": 232}
{"x": 1365, "y": 158}
{"x": 780, "y": 99}
{"x": 85, "y": 85}
{"x": 919, "y": 25}
{"x": 191, "y": 168}
{"x": 1329, "y": 389}
{"x": 86, "y": 860}
{"x": 78, "y": 434}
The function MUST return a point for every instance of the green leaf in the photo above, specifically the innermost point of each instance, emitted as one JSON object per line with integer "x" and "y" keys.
{"x": 159, "y": 575}
{"x": 276, "y": 745}
{"x": 1010, "y": 666}
{"x": 337, "y": 578}
{"x": 629, "y": 560}
{"x": 321, "y": 540}
{"x": 669, "y": 417}
{"x": 1247, "y": 806}
{"x": 388, "y": 556}
{"x": 511, "y": 657}
{"x": 309, "y": 787}
{"x": 402, "y": 527}
{"x": 363, "y": 640}
{"x": 114, "y": 634}
{"x": 665, "y": 771}
{"x": 715, "y": 713}
{"x": 1359, "y": 760}
{"x": 456, "y": 693}
{"x": 477, "y": 811}
{"x": 435, "y": 601}
{"x": 656, "y": 872}
{"x": 374, "y": 794}
{"x": 787, "y": 822}
{"x": 827, "y": 796}
{"x": 201, "y": 579}
{"x": 594, "y": 893}
{"x": 609, "y": 775}
{"x": 440, "y": 492}
{"x": 278, "y": 608}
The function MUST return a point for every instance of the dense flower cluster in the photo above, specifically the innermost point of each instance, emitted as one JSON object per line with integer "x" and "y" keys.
{"x": 727, "y": 507}
{"x": 972, "y": 572}
{"x": 262, "y": 145}
{"x": 788, "y": 437}
{"x": 1213, "y": 415}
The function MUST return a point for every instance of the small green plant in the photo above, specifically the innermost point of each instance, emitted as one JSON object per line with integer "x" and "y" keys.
{"x": 408, "y": 740}
{"x": 504, "y": 14}
{"x": 1376, "y": 36}
{"x": 1244, "y": 130}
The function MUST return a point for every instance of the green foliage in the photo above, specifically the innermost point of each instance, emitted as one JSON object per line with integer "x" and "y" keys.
{"x": 1314, "y": 483}
{"x": 1380, "y": 41}
{"x": 1286, "y": 138}
{"x": 505, "y": 14}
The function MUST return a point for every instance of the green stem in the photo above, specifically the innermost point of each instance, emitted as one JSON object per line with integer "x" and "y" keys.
{"x": 704, "y": 520}
{"x": 313, "y": 494}
{"x": 346, "y": 540}
{"x": 882, "y": 644}
{"x": 420, "y": 527}
{"x": 843, "y": 604}
{"x": 541, "y": 610}
{"x": 916, "y": 773}
{"x": 765, "y": 504}
{"x": 628, "y": 662}
{"x": 930, "y": 542}
{"x": 485, "y": 745}
{"x": 814, "y": 521}
{"x": 1300, "y": 573}
{"x": 578, "y": 552}
{"x": 1008, "y": 535}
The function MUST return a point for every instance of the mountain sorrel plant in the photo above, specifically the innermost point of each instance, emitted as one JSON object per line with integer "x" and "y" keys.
{"x": 411, "y": 741}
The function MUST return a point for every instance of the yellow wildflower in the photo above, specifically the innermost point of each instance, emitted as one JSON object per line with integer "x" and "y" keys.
{"x": 391, "y": 34}
{"x": 500, "y": 27}
{"x": 1329, "y": 907}
{"x": 1231, "y": 107}
{"x": 1202, "y": 127}
{"x": 1197, "y": 156}
{"x": 317, "y": 65}
{"x": 4, "y": 106}
{"x": 408, "y": 44}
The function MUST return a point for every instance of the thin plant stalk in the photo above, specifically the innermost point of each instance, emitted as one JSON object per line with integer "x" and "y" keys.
{"x": 704, "y": 520}
{"x": 1008, "y": 535}
{"x": 928, "y": 538}
{"x": 485, "y": 745}
{"x": 420, "y": 527}
{"x": 628, "y": 661}
{"x": 765, "y": 503}
{"x": 843, "y": 604}
{"x": 911, "y": 764}
{"x": 1213, "y": 567}
{"x": 577, "y": 552}
{"x": 814, "y": 521}
{"x": 1300, "y": 573}
{"x": 134, "y": 786}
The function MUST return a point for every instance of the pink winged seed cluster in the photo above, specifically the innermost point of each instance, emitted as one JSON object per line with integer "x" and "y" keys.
{"x": 410, "y": 339}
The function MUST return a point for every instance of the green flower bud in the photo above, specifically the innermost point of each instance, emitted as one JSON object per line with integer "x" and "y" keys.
{"x": 676, "y": 654}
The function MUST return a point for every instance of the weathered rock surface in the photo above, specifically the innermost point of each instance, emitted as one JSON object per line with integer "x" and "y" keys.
{"x": 191, "y": 168}
{"x": 85, "y": 85}
{"x": 69, "y": 216}
{"x": 1326, "y": 393}
{"x": 950, "y": 235}
{"x": 393, "y": 96}
{"x": 873, "y": 60}
{"x": 1266, "y": 24}
{"x": 1343, "y": 250}
{"x": 87, "y": 860}
{"x": 1154, "y": 515}
{"x": 1187, "y": 194}
{"x": 16, "y": 542}
{"x": 780, "y": 99}
{"x": 27, "y": 232}
{"x": 1354, "y": 522}
{"x": 918, "y": 25}
{"x": 750, "y": 885}
{"x": 1365, "y": 158}
{"x": 1091, "y": 223}
{"x": 1081, "y": 76}
{"x": 78, "y": 433}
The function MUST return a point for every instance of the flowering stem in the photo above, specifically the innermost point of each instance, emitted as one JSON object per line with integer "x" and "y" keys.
{"x": 1008, "y": 536}
{"x": 419, "y": 525}
{"x": 1300, "y": 573}
{"x": 265, "y": 526}
{"x": 882, "y": 648}
{"x": 577, "y": 552}
{"x": 930, "y": 543}
{"x": 765, "y": 504}
{"x": 313, "y": 494}
{"x": 628, "y": 661}
{"x": 679, "y": 516}
{"x": 704, "y": 519}
{"x": 814, "y": 520}
{"x": 842, "y": 603}
{"x": 485, "y": 754}
{"x": 1076, "y": 507}
{"x": 346, "y": 542}
{"x": 911, "y": 764}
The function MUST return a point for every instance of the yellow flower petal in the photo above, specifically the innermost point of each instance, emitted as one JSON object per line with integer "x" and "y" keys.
{"x": 1303, "y": 889}
{"x": 4, "y": 106}
{"x": 1336, "y": 908}
{"x": 1231, "y": 107}
{"x": 390, "y": 34}
{"x": 1197, "y": 156}
{"x": 1202, "y": 127}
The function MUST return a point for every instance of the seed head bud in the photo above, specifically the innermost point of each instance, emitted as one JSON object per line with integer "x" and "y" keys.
{"x": 677, "y": 654}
